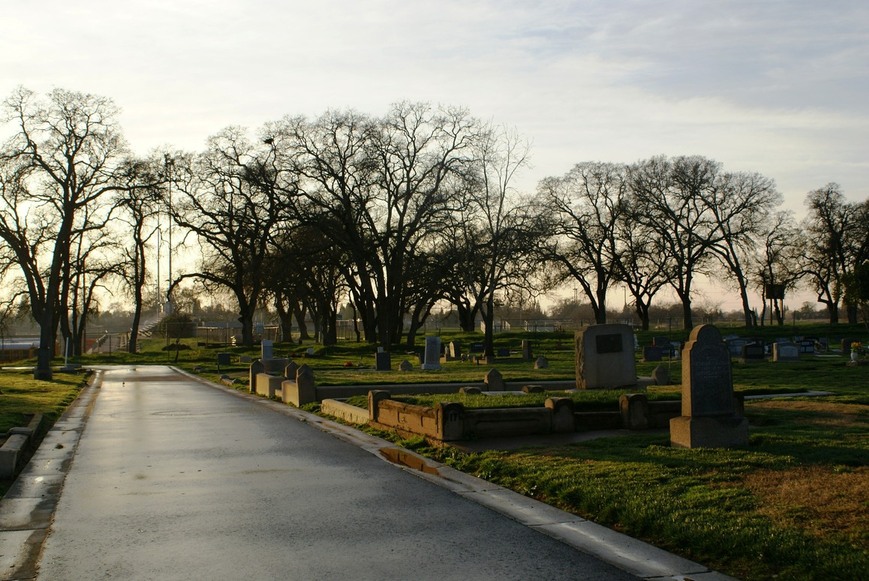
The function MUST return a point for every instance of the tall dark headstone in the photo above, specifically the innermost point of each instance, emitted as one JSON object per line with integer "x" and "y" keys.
{"x": 709, "y": 412}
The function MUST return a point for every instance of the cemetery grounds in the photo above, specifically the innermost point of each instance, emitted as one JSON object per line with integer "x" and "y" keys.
{"x": 792, "y": 505}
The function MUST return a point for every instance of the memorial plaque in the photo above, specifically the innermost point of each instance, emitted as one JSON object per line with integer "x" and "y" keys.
{"x": 609, "y": 343}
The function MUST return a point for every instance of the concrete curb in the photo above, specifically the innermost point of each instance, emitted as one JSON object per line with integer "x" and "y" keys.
{"x": 27, "y": 510}
{"x": 631, "y": 555}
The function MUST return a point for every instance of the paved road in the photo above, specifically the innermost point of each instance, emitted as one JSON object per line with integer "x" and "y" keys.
{"x": 174, "y": 479}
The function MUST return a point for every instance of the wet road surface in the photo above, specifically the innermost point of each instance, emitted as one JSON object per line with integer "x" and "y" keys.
{"x": 174, "y": 479}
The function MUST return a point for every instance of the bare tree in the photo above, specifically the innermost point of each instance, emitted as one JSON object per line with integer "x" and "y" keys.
{"x": 669, "y": 196}
{"x": 379, "y": 188}
{"x": 61, "y": 161}
{"x": 740, "y": 204}
{"x": 496, "y": 235}
{"x": 776, "y": 267}
{"x": 137, "y": 208}
{"x": 830, "y": 255}
{"x": 641, "y": 263}
{"x": 231, "y": 197}
{"x": 586, "y": 206}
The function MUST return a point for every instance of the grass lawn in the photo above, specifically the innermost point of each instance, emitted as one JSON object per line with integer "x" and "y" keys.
{"x": 21, "y": 397}
{"x": 792, "y": 505}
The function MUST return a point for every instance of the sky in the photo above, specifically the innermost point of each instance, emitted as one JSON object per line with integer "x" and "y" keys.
{"x": 777, "y": 87}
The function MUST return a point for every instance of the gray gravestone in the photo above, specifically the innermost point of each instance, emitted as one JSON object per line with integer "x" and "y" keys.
{"x": 753, "y": 352}
{"x": 605, "y": 357}
{"x": 275, "y": 366}
{"x": 653, "y": 353}
{"x": 661, "y": 375}
{"x": 406, "y": 366}
{"x": 382, "y": 361}
{"x": 541, "y": 363}
{"x": 432, "y": 359}
{"x": 709, "y": 414}
{"x": 846, "y": 346}
{"x": 256, "y": 368}
{"x": 785, "y": 352}
{"x": 267, "y": 350}
{"x": 735, "y": 346}
{"x": 291, "y": 369}
{"x": 526, "y": 350}
{"x": 494, "y": 381}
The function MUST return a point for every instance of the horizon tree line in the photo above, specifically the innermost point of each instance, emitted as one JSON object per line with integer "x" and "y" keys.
{"x": 399, "y": 212}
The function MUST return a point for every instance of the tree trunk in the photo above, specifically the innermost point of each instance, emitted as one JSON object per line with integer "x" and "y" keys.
{"x": 245, "y": 317}
{"x": 299, "y": 312}
{"x": 133, "y": 344}
{"x": 686, "y": 313}
{"x": 286, "y": 319}
{"x": 642, "y": 311}
{"x": 45, "y": 353}
{"x": 489, "y": 324}
{"x": 746, "y": 308}
{"x": 833, "y": 311}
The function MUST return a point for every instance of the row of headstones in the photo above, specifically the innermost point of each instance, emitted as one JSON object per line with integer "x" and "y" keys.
{"x": 432, "y": 357}
{"x": 286, "y": 368}
{"x": 747, "y": 349}
{"x": 709, "y": 413}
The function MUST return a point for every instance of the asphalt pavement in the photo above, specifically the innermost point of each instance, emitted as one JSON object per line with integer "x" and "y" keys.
{"x": 154, "y": 474}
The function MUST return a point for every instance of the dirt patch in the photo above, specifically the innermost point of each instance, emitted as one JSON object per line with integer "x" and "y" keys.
{"x": 820, "y": 500}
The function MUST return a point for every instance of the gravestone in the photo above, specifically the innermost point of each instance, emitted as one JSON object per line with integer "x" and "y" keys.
{"x": 526, "y": 350}
{"x": 605, "y": 357}
{"x": 807, "y": 346}
{"x": 653, "y": 353}
{"x": 846, "y": 346}
{"x": 406, "y": 366}
{"x": 275, "y": 366}
{"x": 494, "y": 381}
{"x": 541, "y": 363}
{"x": 454, "y": 351}
{"x": 503, "y": 352}
{"x": 709, "y": 413}
{"x": 256, "y": 368}
{"x": 753, "y": 352}
{"x": 223, "y": 359}
{"x": 302, "y": 390}
{"x": 291, "y": 369}
{"x": 664, "y": 344}
{"x": 268, "y": 350}
{"x": 735, "y": 346}
{"x": 785, "y": 352}
{"x": 661, "y": 375}
{"x": 382, "y": 361}
{"x": 432, "y": 359}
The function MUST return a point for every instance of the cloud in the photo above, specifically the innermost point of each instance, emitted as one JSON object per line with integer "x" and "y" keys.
{"x": 777, "y": 87}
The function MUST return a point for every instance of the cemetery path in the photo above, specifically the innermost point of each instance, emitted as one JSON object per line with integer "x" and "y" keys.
{"x": 174, "y": 479}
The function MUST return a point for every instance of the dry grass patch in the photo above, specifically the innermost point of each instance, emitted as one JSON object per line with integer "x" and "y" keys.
{"x": 820, "y": 500}
{"x": 820, "y": 413}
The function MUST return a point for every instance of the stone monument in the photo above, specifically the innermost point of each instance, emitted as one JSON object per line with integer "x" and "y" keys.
{"x": 709, "y": 413}
{"x": 432, "y": 359}
{"x": 605, "y": 357}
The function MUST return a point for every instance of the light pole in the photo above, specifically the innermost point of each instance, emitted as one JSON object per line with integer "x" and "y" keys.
{"x": 169, "y": 162}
